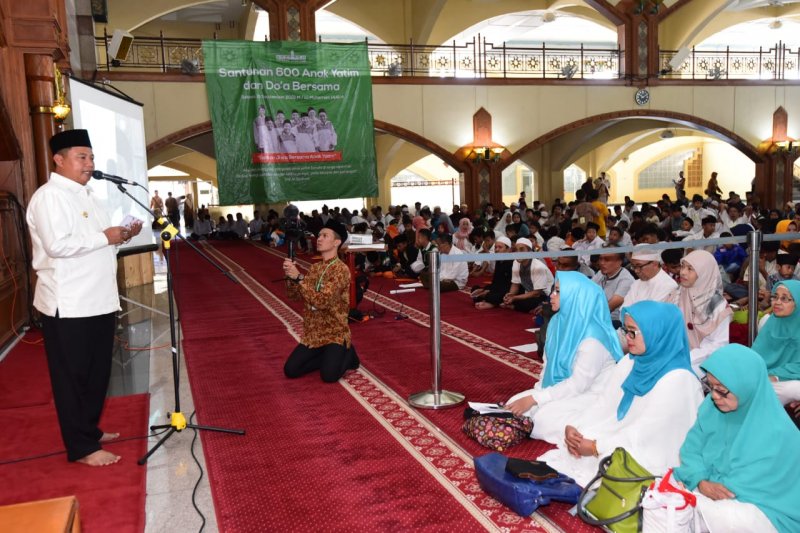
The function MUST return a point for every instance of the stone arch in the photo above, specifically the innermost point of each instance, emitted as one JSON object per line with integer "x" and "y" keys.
{"x": 672, "y": 117}
{"x": 422, "y": 142}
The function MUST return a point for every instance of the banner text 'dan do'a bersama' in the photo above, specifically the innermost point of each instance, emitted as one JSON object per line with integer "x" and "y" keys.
{"x": 291, "y": 120}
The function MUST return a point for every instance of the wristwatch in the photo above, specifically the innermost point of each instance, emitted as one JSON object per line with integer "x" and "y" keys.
{"x": 299, "y": 278}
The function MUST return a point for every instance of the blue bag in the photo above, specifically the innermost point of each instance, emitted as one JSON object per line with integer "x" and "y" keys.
{"x": 523, "y": 496}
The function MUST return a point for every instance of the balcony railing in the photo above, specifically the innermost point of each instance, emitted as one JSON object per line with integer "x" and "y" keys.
{"x": 475, "y": 59}
{"x": 776, "y": 63}
{"x": 480, "y": 59}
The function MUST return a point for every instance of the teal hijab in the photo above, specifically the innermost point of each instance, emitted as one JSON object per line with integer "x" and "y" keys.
{"x": 582, "y": 314}
{"x": 779, "y": 340}
{"x": 666, "y": 349}
{"x": 753, "y": 450}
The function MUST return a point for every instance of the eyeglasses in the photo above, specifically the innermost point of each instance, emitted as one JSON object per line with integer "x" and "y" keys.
{"x": 709, "y": 389}
{"x": 782, "y": 299}
{"x": 639, "y": 267}
{"x": 630, "y": 333}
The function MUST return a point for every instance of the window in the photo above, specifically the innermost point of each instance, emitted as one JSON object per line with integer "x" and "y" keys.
{"x": 660, "y": 174}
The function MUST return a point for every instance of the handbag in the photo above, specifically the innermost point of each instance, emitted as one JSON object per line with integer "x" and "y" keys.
{"x": 522, "y": 495}
{"x": 497, "y": 432}
{"x": 668, "y": 508}
{"x": 617, "y": 502}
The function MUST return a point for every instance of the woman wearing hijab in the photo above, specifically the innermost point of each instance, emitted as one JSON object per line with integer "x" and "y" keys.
{"x": 500, "y": 227}
{"x": 786, "y": 226}
{"x": 524, "y": 230}
{"x": 579, "y": 345}
{"x": 646, "y": 404}
{"x": 706, "y": 313}
{"x": 461, "y": 236}
{"x": 740, "y": 457}
{"x": 778, "y": 341}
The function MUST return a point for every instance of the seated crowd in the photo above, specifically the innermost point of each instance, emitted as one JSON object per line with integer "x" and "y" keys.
{"x": 636, "y": 346}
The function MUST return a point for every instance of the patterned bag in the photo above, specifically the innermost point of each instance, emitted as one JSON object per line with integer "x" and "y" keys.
{"x": 498, "y": 433}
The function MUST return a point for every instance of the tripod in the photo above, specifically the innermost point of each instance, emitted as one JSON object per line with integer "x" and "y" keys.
{"x": 177, "y": 419}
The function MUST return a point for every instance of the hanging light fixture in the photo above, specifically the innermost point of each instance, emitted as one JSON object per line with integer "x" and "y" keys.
{"x": 60, "y": 108}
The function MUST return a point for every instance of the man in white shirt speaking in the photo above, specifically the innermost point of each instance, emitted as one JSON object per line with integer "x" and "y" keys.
{"x": 74, "y": 255}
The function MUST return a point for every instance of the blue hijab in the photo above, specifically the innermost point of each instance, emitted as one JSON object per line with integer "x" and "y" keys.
{"x": 582, "y": 314}
{"x": 752, "y": 450}
{"x": 666, "y": 349}
{"x": 778, "y": 342}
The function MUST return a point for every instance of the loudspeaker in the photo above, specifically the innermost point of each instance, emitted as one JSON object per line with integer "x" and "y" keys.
{"x": 120, "y": 46}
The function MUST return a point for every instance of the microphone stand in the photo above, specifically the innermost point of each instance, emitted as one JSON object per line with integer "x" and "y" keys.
{"x": 177, "y": 419}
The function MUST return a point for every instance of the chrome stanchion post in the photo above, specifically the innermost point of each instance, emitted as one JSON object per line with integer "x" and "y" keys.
{"x": 436, "y": 398}
{"x": 754, "y": 246}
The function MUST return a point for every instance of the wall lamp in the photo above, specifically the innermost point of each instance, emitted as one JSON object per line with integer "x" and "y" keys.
{"x": 787, "y": 145}
{"x": 490, "y": 155}
{"x": 60, "y": 107}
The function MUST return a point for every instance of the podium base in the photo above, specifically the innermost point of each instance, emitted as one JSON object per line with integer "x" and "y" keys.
{"x": 430, "y": 400}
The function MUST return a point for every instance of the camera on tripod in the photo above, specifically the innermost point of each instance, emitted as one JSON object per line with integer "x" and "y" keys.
{"x": 292, "y": 227}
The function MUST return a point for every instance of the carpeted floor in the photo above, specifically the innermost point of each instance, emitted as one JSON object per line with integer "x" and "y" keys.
{"x": 397, "y": 353}
{"x": 313, "y": 456}
{"x": 111, "y": 498}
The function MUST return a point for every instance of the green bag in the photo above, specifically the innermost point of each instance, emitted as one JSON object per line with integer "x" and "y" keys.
{"x": 617, "y": 502}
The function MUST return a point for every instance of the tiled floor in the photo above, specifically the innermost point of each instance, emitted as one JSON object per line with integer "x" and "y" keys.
{"x": 171, "y": 471}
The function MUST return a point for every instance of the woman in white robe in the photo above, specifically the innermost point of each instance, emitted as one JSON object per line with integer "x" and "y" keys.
{"x": 647, "y": 405}
{"x": 580, "y": 344}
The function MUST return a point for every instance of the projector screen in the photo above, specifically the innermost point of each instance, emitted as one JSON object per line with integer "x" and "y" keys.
{"x": 116, "y": 128}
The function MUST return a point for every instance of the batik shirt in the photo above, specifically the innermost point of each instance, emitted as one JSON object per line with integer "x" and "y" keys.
{"x": 325, "y": 292}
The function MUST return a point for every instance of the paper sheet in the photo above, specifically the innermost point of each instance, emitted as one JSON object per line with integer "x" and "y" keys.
{"x": 526, "y": 348}
{"x": 486, "y": 408}
{"x": 410, "y": 285}
{"x": 532, "y": 330}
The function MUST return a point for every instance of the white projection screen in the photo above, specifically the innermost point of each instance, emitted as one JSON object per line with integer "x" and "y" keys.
{"x": 116, "y": 128}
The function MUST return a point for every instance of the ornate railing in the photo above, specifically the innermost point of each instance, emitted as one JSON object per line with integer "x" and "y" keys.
{"x": 475, "y": 59}
{"x": 776, "y": 63}
{"x": 480, "y": 59}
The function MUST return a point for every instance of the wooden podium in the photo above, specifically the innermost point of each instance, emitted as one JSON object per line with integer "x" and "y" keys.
{"x": 59, "y": 515}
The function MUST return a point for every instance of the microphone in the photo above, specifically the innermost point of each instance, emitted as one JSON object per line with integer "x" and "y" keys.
{"x": 98, "y": 175}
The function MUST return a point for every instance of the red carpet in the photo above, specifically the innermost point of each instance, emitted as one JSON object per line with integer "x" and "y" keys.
{"x": 111, "y": 498}
{"x": 397, "y": 352}
{"x": 24, "y": 380}
{"x": 313, "y": 457}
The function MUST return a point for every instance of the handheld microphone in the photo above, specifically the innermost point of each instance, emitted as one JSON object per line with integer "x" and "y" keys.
{"x": 98, "y": 175}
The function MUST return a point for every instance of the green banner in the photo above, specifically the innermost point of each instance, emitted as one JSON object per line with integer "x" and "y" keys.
{"x": 291, "y": 120}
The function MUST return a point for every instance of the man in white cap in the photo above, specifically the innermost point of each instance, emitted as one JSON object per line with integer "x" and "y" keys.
{"x": 531, "y": 281}
{"x": 75, "y": 258}
{"x": 653, "y": 283}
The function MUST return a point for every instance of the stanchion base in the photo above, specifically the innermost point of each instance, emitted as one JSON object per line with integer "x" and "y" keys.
{"x": 429, "y": 400}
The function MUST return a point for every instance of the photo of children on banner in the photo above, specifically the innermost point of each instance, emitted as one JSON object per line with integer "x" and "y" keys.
{"x": 304, "y": 133}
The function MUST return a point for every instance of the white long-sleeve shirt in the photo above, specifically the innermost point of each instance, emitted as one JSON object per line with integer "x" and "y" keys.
{"x": 652, "y": 430}
{"x": 591, "y": 358}
{"x": 75, "y": 264}
{"x": 458, "y": 272}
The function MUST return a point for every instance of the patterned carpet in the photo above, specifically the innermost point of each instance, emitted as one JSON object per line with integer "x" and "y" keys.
{"x": 399, "y": 468}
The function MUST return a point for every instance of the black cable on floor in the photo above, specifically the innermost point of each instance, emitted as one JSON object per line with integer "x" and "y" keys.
{"x": 52, "y": 454}
{"x": 199, "y": 479}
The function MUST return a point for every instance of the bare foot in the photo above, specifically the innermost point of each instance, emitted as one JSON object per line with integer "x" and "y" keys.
{"x": 100, "y": 458}
{"x": 109, "y": 436}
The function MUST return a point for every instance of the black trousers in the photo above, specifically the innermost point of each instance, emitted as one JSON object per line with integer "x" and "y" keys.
{"x": 332, "y": 361}
{"x": 79, "y": 358}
